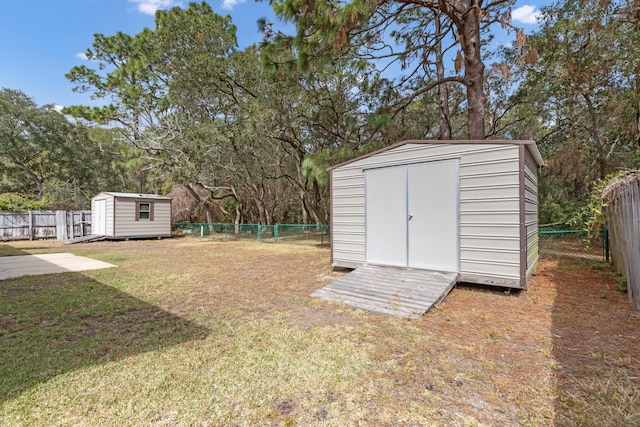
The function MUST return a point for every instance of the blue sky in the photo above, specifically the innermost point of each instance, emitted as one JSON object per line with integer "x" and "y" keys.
{"x": 41, "y": 40}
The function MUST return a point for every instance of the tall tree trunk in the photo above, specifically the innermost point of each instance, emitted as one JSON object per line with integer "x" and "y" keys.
{"x": 597, "y": 138}
{"x": 207, "y": 213}
{"x": 305, "y": 214}
{"x": 637, "y": 80}
{"x": 473, "y": 70}
{"x": 140, "y": 181}
{"x": 443, "y": 92}
{"x": 261, "y": 211}
{"x": 201, "y": 201}
{"x": 236, "y": 222}
{"x": 317, "y": 204}
{"x": 637, "y": 102}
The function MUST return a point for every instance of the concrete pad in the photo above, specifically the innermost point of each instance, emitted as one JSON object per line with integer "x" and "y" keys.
{"x": 26, "y": 265}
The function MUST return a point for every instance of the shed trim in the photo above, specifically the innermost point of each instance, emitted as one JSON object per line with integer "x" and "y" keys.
{"x": 145, "y": 202}
{"x": 133, "y": 195}
{"x": 529, "y": 143}
{"x": 113, "y": 228}
{"x": 523, "y": 217}
{"x": 417, "y": 162}
{"x": 330, "y": 215}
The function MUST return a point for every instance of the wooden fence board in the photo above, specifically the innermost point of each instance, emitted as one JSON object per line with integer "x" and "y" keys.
{"x": 33, "y": 225}
{"x": 623, "y": 211}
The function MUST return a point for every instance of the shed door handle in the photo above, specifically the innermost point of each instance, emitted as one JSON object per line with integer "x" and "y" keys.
{"x": 410, "y": 217}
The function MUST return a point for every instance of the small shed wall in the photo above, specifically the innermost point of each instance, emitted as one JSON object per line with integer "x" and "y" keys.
{"x": 127, "y": 226}
{"x": 531, "y": 211}
{"x": 489, "y": 207}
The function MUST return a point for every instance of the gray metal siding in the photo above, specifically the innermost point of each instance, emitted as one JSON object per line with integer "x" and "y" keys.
{"x": 110, "y": 217}
{"x": 127, "y": 226}
{"x": 489, "y": 205}
{"x": 531, "y": 211}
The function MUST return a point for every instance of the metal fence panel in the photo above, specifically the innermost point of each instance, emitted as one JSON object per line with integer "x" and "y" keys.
{"x": 272, "y": 233}
{"x": 573, "y": 244}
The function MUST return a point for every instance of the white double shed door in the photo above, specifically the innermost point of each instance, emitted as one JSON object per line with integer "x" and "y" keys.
{"x": 412, "y": 215}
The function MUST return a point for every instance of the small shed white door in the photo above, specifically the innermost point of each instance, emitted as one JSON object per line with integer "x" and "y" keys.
{"x": 433, "y": 215}
{"x": 412, "y": 215}
{"x": 100, "y": 220}
{"x": 386, "y": 216}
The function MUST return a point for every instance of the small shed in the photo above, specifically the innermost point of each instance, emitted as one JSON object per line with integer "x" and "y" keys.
{"x": 469, "y": 207}
{"x": 130, "y": 215}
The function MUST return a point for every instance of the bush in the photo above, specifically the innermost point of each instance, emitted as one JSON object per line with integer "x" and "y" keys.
{"x": 17, "y": 203}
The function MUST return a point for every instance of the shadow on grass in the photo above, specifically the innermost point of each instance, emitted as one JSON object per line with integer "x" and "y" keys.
{"x": 52, "y": 324}
{"x": 595, "y": 348}
{"x": 9, "y": 250}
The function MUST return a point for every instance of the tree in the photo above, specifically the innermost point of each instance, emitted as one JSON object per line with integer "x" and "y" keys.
{"x": 417, "y": 34}
{"x": 581, "y": 97}
{"x": 127, "y": 78}
{"x": 32, "y": 140}
{"x": 44, "y": 156}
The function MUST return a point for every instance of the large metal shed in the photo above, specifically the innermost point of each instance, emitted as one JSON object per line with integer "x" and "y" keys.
{"x": 468, "y": 207}
{"x": 130, "y": 215}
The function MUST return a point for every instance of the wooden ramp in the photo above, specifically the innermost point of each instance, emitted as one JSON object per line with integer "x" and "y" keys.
{"x": 395, "y": 291}
{"x": 85, "y": 239}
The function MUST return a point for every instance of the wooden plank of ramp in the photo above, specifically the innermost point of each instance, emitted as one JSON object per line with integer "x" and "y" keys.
{"x": 85, "y": 239}
{"x": 404, "y": 292}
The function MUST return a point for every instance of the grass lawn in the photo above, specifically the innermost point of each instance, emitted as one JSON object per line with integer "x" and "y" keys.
{"x": 196, "y": 332}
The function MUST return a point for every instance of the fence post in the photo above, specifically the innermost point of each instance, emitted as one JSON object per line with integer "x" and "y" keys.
{"x": 31, "y": 225}
{"x": 259, "y": 232}
{"x": 275, "y": 233}
{"x": 71, "y": 225}
{"x": 201, "y": 230}
{"x": 61, "y": 225}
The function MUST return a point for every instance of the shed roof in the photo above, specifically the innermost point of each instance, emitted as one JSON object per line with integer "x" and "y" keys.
{"x": 134, "y": 195}
{"x": 529, "y": 143}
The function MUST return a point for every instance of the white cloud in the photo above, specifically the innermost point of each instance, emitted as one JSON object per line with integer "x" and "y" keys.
{"x": 230, "y": 4}
{"x": 58, "y": 108}
{"x": 150, "y": 6}
{"x": 526, "y": 14}
{"x": 82, "y": 56}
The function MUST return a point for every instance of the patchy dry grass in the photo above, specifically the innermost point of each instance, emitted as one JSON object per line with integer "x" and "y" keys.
{"x": 199, "y": 332}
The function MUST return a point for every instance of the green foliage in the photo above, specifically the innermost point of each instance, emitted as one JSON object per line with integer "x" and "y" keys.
{"x": 581, "y": 102}
{"x": 44, "y": 156}
{"x": 315, "y": 167}
{"x": 596, "y": 217}
{"x": 14, "y": 202}
{"x": 622, "y": 283}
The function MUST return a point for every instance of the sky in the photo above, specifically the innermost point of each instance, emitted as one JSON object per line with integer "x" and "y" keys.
{"x": 41, "y": 40}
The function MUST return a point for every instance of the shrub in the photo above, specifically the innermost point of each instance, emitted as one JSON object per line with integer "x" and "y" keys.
{"x": 16, "y": 203}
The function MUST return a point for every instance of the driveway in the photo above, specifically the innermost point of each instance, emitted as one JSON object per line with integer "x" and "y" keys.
{"x": 26, "y": 265}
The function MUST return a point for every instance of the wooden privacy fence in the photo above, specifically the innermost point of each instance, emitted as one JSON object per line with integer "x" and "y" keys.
{"x": 623, "y": 212}
{"x": 34, "y": 225}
